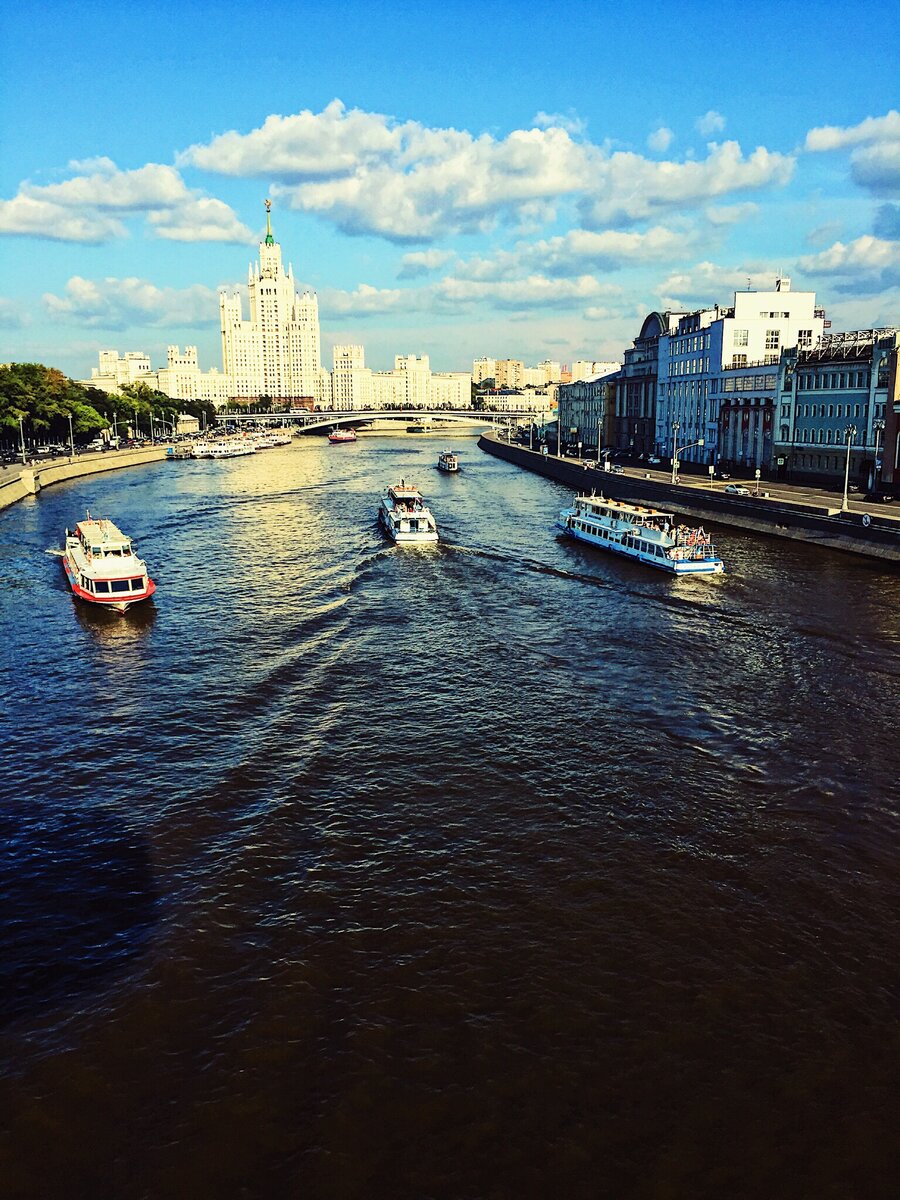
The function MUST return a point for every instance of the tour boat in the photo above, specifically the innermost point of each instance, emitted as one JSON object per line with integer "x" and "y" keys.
{"x": 223, "y": 449}
{"x": 642, "y": 533}
{"x": 102, "y": 567}
{"x": 448, "y": 461}
{"x": 404, "y": 515}
{"x": 342, "y": 435}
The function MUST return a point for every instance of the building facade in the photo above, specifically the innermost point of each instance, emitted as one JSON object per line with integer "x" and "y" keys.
{"x": 276, "y": 353}
{"x": 837, "y": 397}
{"x": 584, "y": 412}
{"x": 633, "y": 418}
{"x": 718, "y": 375}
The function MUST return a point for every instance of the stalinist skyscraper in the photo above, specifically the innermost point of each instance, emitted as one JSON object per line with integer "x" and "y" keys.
{"x": 276, "y": 352}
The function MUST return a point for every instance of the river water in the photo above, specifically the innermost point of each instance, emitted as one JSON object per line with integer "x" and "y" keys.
{"x": 494, "y": 869}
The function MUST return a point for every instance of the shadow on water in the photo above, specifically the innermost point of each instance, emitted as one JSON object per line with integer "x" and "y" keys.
{"x": 78, "y": 900}
{"x": 112, "y": 628}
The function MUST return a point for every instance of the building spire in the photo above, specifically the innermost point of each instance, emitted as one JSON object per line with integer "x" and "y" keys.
{"x": 270, "y": 241}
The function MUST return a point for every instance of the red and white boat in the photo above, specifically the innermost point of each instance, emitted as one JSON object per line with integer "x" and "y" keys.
{"x": 102, "y": 567}
{"x": 342, "y": 435}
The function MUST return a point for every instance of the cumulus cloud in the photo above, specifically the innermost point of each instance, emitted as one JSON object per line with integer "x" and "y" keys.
{"x": 872, "y": 129}
{"x": 866, "y": 265}
{"x": 368, "y": 173}
{"x": 875, "y": 161}
{"x": 422, "y": 262}
{"x": 117, "y": 304}
{"x": 569, "y": 121}
{"x": 91, "y": 206}
{"x": 368, "y": 301}
{"x": 710, "y": 123}
{"x": 578, "y": 251}
{"x": 731, "y": 214}
{"x": 707, "y": 283}
{"x": 532, "y": 291}
{"x": 630, "y": 188}
{"x": 660, "y": 139}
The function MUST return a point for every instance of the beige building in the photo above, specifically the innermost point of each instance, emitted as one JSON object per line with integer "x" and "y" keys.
{"x": 509, "y": 373}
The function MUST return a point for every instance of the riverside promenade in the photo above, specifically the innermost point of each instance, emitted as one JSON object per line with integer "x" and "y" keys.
{"x": 799, "y": 513}
{"x": 17, "y": 481}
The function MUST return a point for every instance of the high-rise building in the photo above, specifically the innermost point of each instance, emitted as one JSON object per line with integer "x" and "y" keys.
{"x": 276, "y": 352}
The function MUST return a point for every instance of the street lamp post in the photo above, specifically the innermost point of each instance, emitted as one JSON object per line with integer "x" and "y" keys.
{"x": 22, "y": 439}
{"x": 675, "y": 427}
{"x": 599, "y": 439}
{"x": 851, "y": 434}
{"x": 878, "y": 426}
{"x": 71, "y": 438}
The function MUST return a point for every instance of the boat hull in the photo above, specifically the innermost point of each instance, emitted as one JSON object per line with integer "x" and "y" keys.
{"x": 113, "y": 602}
{"x": 701, "y": 566}
{"x": 404, "y": 537}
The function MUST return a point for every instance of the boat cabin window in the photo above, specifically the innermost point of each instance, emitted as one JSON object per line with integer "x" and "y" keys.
{"x": 102, "y": 585}
{"x": 137, "y": 585}
{"x": 120, "y": 585}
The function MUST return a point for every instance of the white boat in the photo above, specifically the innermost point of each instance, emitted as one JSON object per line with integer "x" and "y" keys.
{"x": 341, "y": 435}
{"x": 102, "y": 567}
{"x": 223, "y": 449}
{"x": 405, "y": 516}
{"x": 646, "y": 534}
{"x": 448, "y": 461}
{"x": 281, "y": 439}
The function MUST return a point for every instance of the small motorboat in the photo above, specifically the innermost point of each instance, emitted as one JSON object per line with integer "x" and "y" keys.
{"x": 448, "y": 461}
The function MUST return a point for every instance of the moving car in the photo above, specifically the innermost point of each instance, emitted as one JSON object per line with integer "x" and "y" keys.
{"x": 736, "y": 490}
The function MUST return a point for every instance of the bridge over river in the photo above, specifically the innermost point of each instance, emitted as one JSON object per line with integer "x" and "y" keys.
{"x": 311, "y": 422}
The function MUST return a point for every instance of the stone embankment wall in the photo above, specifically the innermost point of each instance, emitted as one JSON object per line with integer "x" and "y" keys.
{"x": 15, "y": 485}
{"x": 822, "y": 526}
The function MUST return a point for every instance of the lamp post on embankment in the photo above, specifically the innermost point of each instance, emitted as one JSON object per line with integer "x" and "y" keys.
{"x": 851, "y": 434}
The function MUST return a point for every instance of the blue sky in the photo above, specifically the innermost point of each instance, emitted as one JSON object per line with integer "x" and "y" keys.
{"x": 472, "y": 179}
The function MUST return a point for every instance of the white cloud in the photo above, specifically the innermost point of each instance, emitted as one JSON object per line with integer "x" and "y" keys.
{"x": 660, "y": 139}
{"x": 117, "y": 304}
{"x": 872, "y": 129}
{"x": 711, "y": 122}
{"x": 731, "y": 214}
{"x": 578, "y": 251}
{"x": 707, "y": 283}
{"x": 877, "y": 168}
{"x": 91, "y": 207}
{"x": 569, "y": 121}
{"x": 368, "y": 301}
{"x": 865, "y": 265}
{"x": 629, "y": 188}
{"x": 367, "y": 173}
{"x": 533, "y": 291}
{"x": 422, "y": 262}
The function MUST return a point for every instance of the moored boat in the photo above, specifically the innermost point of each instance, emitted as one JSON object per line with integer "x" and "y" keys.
{"x": 223, "y": 449}
{"x": 404, "y": 515}
{"x": 342, "y": 435}
{"x": 102, "y": 566}
{"x": 448, "y": 461}
{"x": 646, "y": 534}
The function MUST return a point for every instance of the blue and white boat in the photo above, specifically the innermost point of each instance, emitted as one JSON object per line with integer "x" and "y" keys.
{"x": 646, "y": 534}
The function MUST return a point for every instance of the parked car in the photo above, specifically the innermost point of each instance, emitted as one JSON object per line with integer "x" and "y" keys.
{"x": 653, "y": 460}
{"x": 879, "y": 498}
{"x": 736, "y": 490}
{"x": 615, "y": 469}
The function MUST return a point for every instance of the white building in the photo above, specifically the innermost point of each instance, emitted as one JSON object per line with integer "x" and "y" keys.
{"x": 276, "y": 352}
{"x": 351, "y": 381}
{"x": 182, "y": 379}
{"x": 482, "y": 369}
{"x": 697, "y": 357}
{"x": 114, "y": 372}
{"x": 584, "y": 370}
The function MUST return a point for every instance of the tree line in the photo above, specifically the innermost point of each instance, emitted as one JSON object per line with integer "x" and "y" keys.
{"x": 43, "y": 399}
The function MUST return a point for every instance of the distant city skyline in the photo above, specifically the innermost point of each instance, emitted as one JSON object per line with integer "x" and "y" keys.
{"x": 473, "y": 182}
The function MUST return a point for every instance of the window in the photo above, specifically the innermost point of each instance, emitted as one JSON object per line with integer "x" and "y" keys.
{"x": 120, "y": 585}
{"x": 137, "y": 585}
{"x": 773, "y": 339}
{"x": 741, "y": 337}
{"x": 739, "y": 360}
{"x": 103, "y": 586}
{"x": 804, "y": 337}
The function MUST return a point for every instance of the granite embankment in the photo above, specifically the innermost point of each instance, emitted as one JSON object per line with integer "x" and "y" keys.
{"x": 18, "y": 482}
{"x": 860, "y": 531}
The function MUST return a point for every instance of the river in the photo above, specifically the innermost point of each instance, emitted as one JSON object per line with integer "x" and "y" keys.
{"x": 489, "y": 870}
